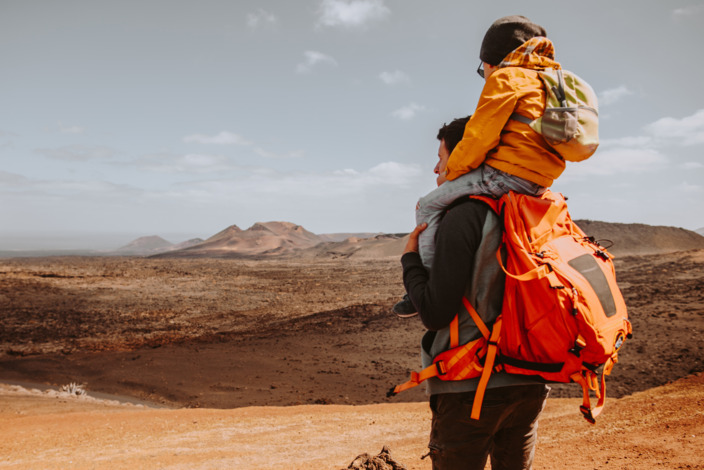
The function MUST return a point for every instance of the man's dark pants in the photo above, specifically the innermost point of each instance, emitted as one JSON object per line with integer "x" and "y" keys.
{"x": 506, "y": 431}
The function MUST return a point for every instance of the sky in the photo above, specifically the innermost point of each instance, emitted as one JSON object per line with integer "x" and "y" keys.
{"x": 123, "y": 119}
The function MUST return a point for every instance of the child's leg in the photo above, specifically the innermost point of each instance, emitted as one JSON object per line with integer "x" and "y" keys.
{"x": 497, "y": 183}
{"x": 431, "y": 206}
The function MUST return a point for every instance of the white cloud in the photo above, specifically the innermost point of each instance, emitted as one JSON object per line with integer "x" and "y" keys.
{"x": 261, "y": 18}
{"x": 11, "y": 179}
{"x": 686, "y": 131}
{"x": 351, "y": 13}
{"x": 81, "y": 191}
{"x": 223, "y": 138}
{"x": 646, "y": 153}
{"x": 77, "y": 153}
{"x": 692, "y": 165}
{"x": 408, "y": 112}
{"x": 631, "y": 160}
{"x": 639, "y": 141}
{"x": 346, "y": 171}
{"x": 381, "y": 197}
{"x": 229, "y": 138}
{"x": 297, "y": 184}
{"x": 266, "y": 154}
{"x": 611, "y": 96}
{"x": 690, "y": 188}
{"x": 394, "y": 173}
{"x": 394, "y": 78}
{"x": 689, "y": 11}
{"x": 71, "y": 129}
{"x": 617, "y": 161}
{"x": 196, "y": 163}
{"x": 203, "y": 162}
{"x": 313, "y": 58}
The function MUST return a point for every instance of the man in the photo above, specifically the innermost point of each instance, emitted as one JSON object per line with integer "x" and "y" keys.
{"x": 465, "y": 265}
{"x": 497, "y": 153}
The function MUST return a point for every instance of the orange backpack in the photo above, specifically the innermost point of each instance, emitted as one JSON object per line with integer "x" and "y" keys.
{"x": 563, "y": 314}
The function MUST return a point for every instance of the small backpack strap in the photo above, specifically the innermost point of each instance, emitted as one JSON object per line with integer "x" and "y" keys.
{"x": 492, "y": 338}
{"x": 588, "y": 380}
{"x": 559, "y": 90}
{"x": 455, "y": 332}
{"x": 417, "y": 378}
{"x": 492, "y": 350}
{"x": 475, "y": 316}
{"x": 521, "y": 118}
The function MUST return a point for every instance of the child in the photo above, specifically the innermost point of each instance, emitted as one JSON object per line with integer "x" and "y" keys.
{"x": 496, "y": 154}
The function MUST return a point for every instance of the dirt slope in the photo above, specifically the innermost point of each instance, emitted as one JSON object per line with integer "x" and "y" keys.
{"x": 224, "y": 333}
{"x": 659, "y": 428}
{"x": 209, "y": 333}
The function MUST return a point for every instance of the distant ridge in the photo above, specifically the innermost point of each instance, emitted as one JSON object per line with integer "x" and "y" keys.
{"x": 285, "y": 239}
{"x": 378, "y": 246}
{"x": 145, "y": 245}
{"x": 153, "y": 244}
{"x": 619, "y": 239}
{"x": 340, "y": 237}
{"x": 186, "y": 244}
{"x": 641, "y": 239}
{"x": 700, "y": 231}
{"x": 288, "y": 240}
{"x": 263, "y": 239}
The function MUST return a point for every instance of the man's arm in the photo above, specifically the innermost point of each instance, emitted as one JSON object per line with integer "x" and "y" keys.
{"x": 438, "y": 294}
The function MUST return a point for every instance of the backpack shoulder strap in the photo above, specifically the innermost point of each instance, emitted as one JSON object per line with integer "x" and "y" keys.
{"x": 494, "y": 203}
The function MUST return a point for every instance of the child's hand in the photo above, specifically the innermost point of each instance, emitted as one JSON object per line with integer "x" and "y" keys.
{"x": 412, "y": 245}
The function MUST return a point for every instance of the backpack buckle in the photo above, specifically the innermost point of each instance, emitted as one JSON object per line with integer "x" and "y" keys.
{"x": 587, "y": 413}
{"x": 602, "y": 254}
{"x": 440, "y": 366}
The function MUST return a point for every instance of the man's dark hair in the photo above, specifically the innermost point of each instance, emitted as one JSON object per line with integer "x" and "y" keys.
{"x": 452, "y": 133}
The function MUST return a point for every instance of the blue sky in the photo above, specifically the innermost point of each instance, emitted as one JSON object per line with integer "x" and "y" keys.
{"x": 124, "y": 119}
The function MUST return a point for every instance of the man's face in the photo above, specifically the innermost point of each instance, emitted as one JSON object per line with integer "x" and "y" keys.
{"x": 488, "y": 70}
{"x": 441, "y": 167}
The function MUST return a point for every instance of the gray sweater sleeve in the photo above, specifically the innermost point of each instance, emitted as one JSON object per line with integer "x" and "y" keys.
{"x": 438, "y": 294}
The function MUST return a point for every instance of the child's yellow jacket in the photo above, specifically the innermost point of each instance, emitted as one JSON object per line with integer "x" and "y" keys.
{"x": 508, "y": 145}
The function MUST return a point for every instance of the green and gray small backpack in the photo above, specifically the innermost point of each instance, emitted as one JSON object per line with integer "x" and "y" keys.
{"x": 570, "y": 123}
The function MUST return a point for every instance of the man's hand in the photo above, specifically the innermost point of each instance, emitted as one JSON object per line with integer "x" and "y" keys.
{"x": 412, "y": 245}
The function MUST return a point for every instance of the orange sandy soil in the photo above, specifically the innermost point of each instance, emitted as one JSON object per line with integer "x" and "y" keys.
{"x": 289, "y": 362}
{"x": 659, "y": 428}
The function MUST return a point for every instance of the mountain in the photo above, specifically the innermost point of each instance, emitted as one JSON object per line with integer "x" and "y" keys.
{"x": 619, "y": 239}
{"x": 152, "y": 245}
{"x": 641, "y": 239}
{"x": 259, "y": 240}
{"x": 340, "y": 237}
{"x": 378, "y": 246}
{"x": 288, "y": 240}
{"x": 186, "y": 244}
{"x": 285, "y": 239}
{"x": 144, "y": 246}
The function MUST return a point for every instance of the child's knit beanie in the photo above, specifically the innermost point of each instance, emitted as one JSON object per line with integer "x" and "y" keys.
{"x": 505, "y": 35}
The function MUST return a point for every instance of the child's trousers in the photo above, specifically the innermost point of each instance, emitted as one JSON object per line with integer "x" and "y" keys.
{"x": 484, "y": 180}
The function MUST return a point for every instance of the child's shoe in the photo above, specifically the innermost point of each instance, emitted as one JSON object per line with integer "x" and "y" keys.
{"x": 405, "y": 308}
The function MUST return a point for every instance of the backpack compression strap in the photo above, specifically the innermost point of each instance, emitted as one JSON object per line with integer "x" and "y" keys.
{"x": 588, "y": 380}
{"x": 492, "y": 350}
{"x": 447, "y": 367}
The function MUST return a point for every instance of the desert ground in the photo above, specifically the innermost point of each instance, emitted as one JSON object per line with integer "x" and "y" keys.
{"x": 289, "y": 361}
